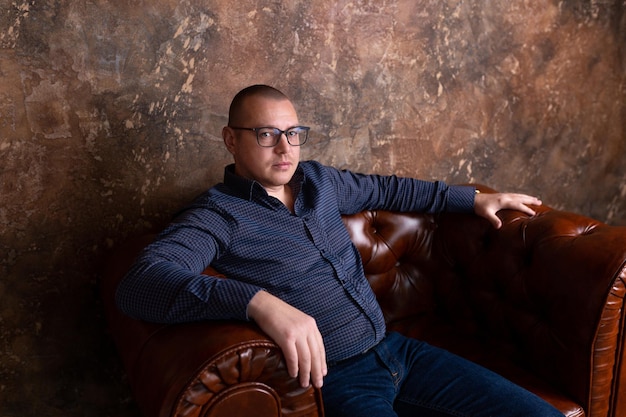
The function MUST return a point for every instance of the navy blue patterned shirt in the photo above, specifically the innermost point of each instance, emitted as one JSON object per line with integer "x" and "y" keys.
{"x": 306, "y": 258}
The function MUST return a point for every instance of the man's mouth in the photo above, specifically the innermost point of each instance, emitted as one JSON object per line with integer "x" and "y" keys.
{"x": 283, "y": 165}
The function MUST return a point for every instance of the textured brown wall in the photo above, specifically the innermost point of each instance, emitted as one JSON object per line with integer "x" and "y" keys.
{"x": 111, "y": 112}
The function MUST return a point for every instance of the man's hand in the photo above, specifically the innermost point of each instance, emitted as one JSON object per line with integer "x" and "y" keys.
{"x": 487, "y": 205}
{"x": 297, "y": 335}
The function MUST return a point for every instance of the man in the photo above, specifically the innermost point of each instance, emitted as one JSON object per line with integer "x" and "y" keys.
{"x": 274, "y": 229}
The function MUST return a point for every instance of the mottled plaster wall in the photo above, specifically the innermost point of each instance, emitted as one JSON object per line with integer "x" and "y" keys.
{"x": 111, "y": 112}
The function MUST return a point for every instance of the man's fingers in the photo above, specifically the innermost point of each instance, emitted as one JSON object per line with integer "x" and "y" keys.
{"x": 521, "y": 202}
{"x": 525, "y": 209}
{"x": 318, "y": 361}
{"x": 304, "y": 364}
{"x": 291, "y": 359}
{"x": 495, "y": 221}
{"x": 312, "y": 362}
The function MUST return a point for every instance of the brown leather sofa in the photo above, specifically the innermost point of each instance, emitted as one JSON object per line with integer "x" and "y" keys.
{"x": 540, "y": 301}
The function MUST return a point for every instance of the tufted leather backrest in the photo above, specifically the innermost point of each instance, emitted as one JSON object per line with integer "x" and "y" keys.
{"x": 397, "y": 254}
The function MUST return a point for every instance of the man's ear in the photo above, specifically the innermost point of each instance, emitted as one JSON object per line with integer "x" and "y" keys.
{"x": 228, "y": 135}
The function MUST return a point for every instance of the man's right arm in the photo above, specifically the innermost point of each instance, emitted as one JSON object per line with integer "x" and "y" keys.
{"x": 166, "y": 284}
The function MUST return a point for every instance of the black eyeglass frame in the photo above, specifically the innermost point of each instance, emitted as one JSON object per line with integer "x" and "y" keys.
{"x": 278, "y": 134}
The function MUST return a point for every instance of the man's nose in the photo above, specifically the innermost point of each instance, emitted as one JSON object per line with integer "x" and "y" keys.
{"x": 283, "y": 145}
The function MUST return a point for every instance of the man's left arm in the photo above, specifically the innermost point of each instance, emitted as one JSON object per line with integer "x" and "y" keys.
{"x": 358, "y": 192}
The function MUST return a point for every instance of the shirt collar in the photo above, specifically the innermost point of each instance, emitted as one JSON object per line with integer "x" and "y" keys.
{"x": 248, "y": 189}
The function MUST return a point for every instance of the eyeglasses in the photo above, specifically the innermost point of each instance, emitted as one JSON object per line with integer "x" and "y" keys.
{"x": 268, "y": 137}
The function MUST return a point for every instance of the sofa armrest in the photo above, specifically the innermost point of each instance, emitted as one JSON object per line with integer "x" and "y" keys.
{"x": 548, "y": 290}
{"x": 209, "y": 369}
{"x": 218, "y": 369}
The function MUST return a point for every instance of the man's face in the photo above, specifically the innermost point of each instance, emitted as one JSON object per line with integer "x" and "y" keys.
{"x": 271, "y": 167}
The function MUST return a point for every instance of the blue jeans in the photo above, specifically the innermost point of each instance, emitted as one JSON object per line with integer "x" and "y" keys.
{"x": 407, "y": 377}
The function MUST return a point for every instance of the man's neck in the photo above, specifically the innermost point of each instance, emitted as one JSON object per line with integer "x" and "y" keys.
{"x": 284, "y": 194}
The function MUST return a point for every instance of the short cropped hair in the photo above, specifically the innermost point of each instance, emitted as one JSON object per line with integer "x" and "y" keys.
{"x": 258, "y": 90}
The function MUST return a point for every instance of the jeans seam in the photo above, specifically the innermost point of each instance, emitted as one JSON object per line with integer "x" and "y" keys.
{"x": 393, "y": 366}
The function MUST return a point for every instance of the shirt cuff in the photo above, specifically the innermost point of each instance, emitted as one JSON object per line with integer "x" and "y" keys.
{"x": 461, "y": 199}
{"x": 230, "y": 299}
